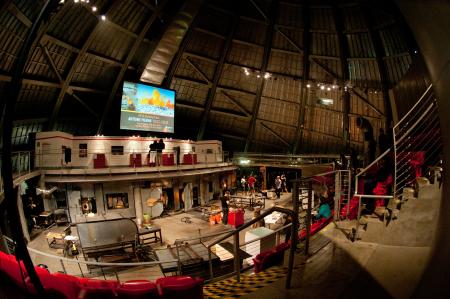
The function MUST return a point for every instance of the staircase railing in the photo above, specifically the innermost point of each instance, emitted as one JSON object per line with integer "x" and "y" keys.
{"x": 417, "y": 141}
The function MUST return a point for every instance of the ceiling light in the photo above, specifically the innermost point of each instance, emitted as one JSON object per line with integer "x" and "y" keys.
{"x": 308, "y": 85}
{"x": 322, "y": 87}
{"x": 76, "y": 1}
{"x": 103, "y": 18}
{"x": 328, "y": 88}
{"x": 266, "y": 75}
{"x": 258, "y": 76}
{"x": 334, "y": 86}
{"x": 94, "y": 8}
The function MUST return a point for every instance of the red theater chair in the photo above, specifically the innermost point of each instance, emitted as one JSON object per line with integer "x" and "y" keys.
{"x": 10, "y": 267}
{"x": 98, "y": 289}
{"x": 135, "y": 160}
{"x": 99, "y": 161}
{"x": 66, "y": 286}
{"x": 136, "y": 289}
{"x": 180, "y": 287}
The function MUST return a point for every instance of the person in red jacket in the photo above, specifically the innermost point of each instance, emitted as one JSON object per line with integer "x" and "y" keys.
{"x": 251, "y": 183}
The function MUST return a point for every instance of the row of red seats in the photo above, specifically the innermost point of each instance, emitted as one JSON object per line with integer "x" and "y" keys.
{"x": 72, "y": 287}
{"x": 275, "y": 256}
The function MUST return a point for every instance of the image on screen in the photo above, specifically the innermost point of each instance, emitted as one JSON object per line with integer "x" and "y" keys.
{"x": 147, "y": 108}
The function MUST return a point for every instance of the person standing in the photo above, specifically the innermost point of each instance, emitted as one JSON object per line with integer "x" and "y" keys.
{"x": 224, "y": 202}
{"x": 152, "y": 153}
{"x": 251, "y": 183}
{"x": 160, "y": 147}
{"x": 278, "y": 186}
{"x": 283, "y": 183}
{"x": 243, "y": 182}
{"x": 383, "y": 142}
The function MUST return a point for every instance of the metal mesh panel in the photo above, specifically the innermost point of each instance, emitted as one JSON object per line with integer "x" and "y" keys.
{"x": 397, "y": 67}
{"x": 360, "y": 45}
{"x": 281, "y": 42}
{"x": 205, "y": 44}
{"x": 283, "y": 88}
{"x": 364, "y": 73}
{"x": 252, "y": 32}
{"x": 73, "y": 24}
{"x": 129, "y": 14}
{"x": 12, "y": 33}
{"x": 111, "y": 42}
{"x": 322, "y": 18}
{"x": 234, "y": 77}
{"x": 324, "y": 44}
{"x": 190, "y": 91}
{"x": 247, "y": 55}
{"x": 279, "y": 111}
{"x": 94, "y": 72}
{"x": 288, "y": 64}
{"x": 290, "y": 14}
{"x": 353, "y": 19}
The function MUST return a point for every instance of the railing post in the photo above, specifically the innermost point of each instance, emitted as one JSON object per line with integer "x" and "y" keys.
{"x": 237, "y": 262}
{"x": 308, "y": 217}
{"x": 294, "y": 233}
{"x": 211, "y": 273}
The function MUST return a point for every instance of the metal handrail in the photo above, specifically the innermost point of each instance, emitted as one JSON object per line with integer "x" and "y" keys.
{"x": 368, "y": 167}
{"x": 413, "y": 107}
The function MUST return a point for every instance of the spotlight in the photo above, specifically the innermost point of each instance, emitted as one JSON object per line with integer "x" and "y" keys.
{"x": 328, "y": 88}
{"x": 266, "y": 75}
{"x": 322, "y": 87}
{"x": 258, "y": 76}
{"x": 94, "y": 8}
{"x": 103, "y": 18}
{"x": 308, "y": 85}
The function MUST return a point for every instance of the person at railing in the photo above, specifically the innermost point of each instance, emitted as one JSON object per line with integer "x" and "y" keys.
{"x": 152, "y": 152}
{"x": 159, "y": 149}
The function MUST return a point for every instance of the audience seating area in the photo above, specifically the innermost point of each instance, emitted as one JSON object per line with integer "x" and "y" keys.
{"x": 71, "y": 287}
{"x": 275, "y": 256}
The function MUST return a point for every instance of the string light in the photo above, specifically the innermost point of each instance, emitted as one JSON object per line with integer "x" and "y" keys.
{"x": 85, "y": 3}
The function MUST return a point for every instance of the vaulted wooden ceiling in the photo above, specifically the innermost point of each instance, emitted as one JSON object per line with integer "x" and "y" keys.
{"x": 249, "y": 73}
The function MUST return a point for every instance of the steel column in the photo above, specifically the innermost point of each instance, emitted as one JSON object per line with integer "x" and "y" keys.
{"x": 10, "y": 103}
{"x": 303, "y": 89}
{"x": 216, "y": 78}
{"x": 126, "y": 63}
{"x": 266, "y": 56}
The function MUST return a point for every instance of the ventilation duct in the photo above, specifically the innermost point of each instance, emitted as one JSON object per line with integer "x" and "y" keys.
{"x": 169, "y": 44}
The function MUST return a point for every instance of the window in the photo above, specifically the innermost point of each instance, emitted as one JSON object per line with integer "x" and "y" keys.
{"x": 209, "y": 151}
{"x": 82, "y": 150}
{"x": 117, "y": 201}
{"x": 117, "y": 150}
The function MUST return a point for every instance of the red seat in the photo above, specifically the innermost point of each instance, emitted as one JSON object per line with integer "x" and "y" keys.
{"x": 66, "y": 285}
{"x": 190, "y": 159}
{"x": 102, "y": 289}
{"x": 10, "y": 267}
{"x": 180, "y": 287}
{"x": 135, "y": 160}
{"x": 99, "y": 161}
{"x": 135, "y": 289}
{"x": 168, "y": 160}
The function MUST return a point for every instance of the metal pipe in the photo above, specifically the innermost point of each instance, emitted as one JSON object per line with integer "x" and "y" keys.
{"x": 237, "y": 261}
{"x": 211, "y": 273}
{"x": 308, "y": 218}
{"x": 294, "y": 232}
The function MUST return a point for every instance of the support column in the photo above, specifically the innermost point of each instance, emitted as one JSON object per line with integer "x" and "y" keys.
{"x": 137, "y": 202}
{"x": 23, "y": 220}
{"x": 176, "y": 194}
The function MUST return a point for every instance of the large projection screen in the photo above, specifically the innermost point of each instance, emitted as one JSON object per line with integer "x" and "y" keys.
{"x": 147, "y": 108}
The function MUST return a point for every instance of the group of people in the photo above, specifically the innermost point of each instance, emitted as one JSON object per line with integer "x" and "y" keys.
{"x": 155, "y": 152}
{"x": 248, "y": 184}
